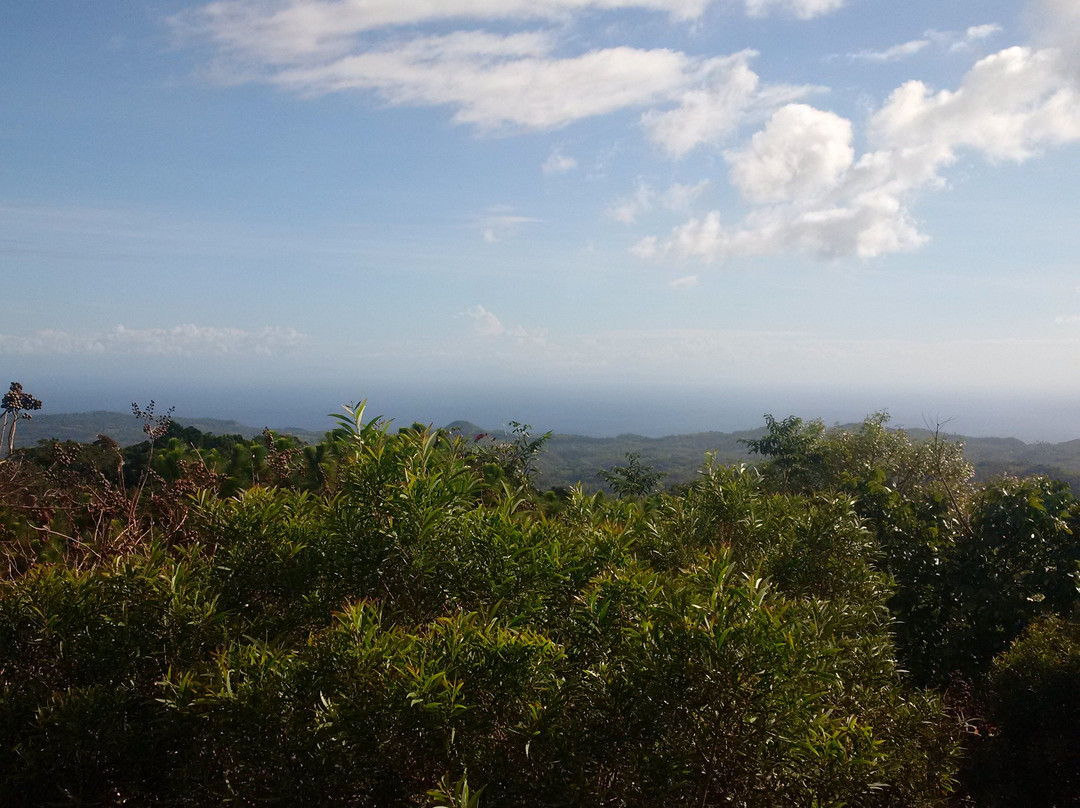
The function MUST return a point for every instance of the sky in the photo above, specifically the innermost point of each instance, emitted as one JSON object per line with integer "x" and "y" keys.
{"x": 599, "y": 215}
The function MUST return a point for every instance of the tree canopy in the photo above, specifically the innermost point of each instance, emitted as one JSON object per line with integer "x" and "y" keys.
{"x": 399, "y": 618}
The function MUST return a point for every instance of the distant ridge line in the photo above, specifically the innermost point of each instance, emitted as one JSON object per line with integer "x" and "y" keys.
{"x": 568, "y": 458}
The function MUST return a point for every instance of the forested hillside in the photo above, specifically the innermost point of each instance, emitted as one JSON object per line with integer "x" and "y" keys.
{"x": 84, "y": 427}
{"x": 571, "y": 459}
{"x": 404, "y": 617}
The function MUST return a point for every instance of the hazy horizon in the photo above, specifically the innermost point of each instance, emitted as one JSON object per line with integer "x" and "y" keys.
{"x": 597, "y": 411}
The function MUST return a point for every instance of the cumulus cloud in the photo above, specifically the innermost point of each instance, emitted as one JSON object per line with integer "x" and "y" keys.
{"x": 801, "y": 152}
{"x": 1056, "y": 24}
{"x": 1008, "y": 106}
{"x": 711, "y": 110}
{"x": 809, "y": 193}
{"x": 181, "y": 340}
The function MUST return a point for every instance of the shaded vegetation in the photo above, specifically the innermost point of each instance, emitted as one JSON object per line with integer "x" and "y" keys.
{"x": 571, "y": 459}
{"x": 401, "y": 618}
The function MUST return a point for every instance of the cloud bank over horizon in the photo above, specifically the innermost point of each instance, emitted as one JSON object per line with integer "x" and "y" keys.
{"x": 180, "y": 340}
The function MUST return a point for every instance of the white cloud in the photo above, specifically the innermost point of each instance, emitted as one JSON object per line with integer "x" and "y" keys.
{"x": 895, "y": 53}
{"x": 627, "y": 208}
{"x": 647, "y": 248}
{"x": 499, "y": 81}
{"x": 712, "y": 109}
{"x": 280, "y": 31}
{"x": 982, "y": 31}
{"x": 677, "y": 197}
{"x": 682, "y": 197}
{"x": 1008, "y": 106}
{"x": 686, "y": 282}
{"x": 559, "y": 163}
{"x": 491, "y": 80}
{"x": 488, "y": 326}
{"x": 1056, "y": 24}
{"x": 962, "y": 41}
{"x": 809, "y": 194}
{"x": 952, "y": 41}
{"x": 709, "y": 111}
{"x": 495, "y": 225}
{"x": 802, "y": 152}
{"x": 802, "y": 9}
{"x": 181, "y": 340}
{"x": 484, "y": 323}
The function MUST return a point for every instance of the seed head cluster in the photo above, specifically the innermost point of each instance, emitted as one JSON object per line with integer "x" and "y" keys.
{"x": 19, "y": 403}
{"x": 153, "y": 426}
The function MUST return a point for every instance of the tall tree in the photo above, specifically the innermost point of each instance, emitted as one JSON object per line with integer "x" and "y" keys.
{"x": 16, "y": 404}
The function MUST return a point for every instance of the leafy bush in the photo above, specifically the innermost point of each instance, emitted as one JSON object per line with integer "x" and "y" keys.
{"x": 415, "y": 632}
{"x": 1031, "y": 756}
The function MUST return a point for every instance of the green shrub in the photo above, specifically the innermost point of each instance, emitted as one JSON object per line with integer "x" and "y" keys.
{"x": 1031, "y": 756}
{"x": 413, "y": 629}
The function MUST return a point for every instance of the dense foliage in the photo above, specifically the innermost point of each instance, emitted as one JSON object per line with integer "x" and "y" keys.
{"x": 399, "y": 618}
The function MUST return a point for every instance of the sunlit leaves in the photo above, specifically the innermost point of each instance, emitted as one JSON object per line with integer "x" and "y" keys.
{"x": 412, "y": 634}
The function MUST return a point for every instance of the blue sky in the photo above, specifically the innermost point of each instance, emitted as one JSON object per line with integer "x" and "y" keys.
{"x": 314, "y": 201}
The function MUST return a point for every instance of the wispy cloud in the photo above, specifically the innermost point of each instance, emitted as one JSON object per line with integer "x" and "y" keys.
{"x": 802, "y": 9}
{"x": 296, "y": 30}
{"x": 966, "y": 40}
{"x": 493, "y": 81}
{"x": 685, "y": 282}
{"x": 559, "y": 163}
{"x": 302, "y": 30}
{"x": 181, "y": 340}
{"x": 498, "y": 224}
{"x": 952, "y": 41}
{"x": 892, "y": 54}
{"x": 677, "y": 197}
{"x": 626, "y": 209}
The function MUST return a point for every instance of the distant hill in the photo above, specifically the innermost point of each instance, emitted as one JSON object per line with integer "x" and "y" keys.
{"x": 125, "y": 429}
{"x": 569, "y": 459}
